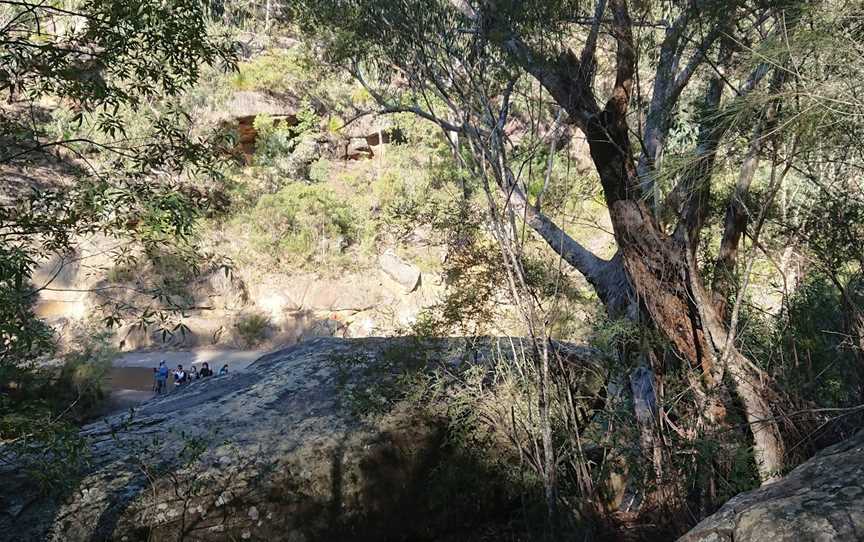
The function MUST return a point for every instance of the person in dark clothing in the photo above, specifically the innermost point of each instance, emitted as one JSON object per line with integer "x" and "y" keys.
{"x": 205, "y": 371}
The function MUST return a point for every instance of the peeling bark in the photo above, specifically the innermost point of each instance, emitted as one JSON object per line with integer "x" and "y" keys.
{"x": 657, "y": 267}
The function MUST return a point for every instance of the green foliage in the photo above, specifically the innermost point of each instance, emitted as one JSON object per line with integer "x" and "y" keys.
{"x": 40, "y": 410}
{"x": 491, "y": 402}
{"x": 610, "y": 334}
{"x": 126, "y": 166}
{"x": 251, "y": 328}
{"x": 472, "y": 271}
{"x": 22, "y": 336}
{"x": 543, "y": 277}
{"x": 813, "y": 334}
{"x": 47, "y": 450}
{"x": 319, "y": 170}
{"x": 433, "y": 193}
{"x": 300, "y": 225}
{"x": 273, "y": 140}
{"x": 835, "y": 226}
{"x": 121, "y": 52}
{"x": 307, "y": 120}
{"x": 282, "y": 150}
{"x": 112, "y": 189}
{"x": 81, "y": 378}
{"x": 276, "y": 72}
{"x": 296, "y": 72}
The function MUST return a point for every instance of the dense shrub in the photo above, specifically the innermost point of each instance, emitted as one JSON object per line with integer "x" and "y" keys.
{"x": 81, "y": 378}
{"x": 42, "y": 406}
{"x": 251, "y": 329}
{"x": 273, "y": 72}
{"x": 819, "y": 367}
{"x": 300, "y": 224}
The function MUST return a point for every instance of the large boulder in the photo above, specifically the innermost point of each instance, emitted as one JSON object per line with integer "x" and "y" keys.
{"x": 821, "y": 500}
{"x": 360, "y": 137}
{"x": 297, "y": 447}
{"x": 309, "y": 149}
{"x": 357, "y": 148}
{"x": 400, "y": 271}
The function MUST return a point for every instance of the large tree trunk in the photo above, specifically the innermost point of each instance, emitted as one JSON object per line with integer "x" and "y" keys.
{"x": 671, "y": 292}
{"x": 655, "y": 269}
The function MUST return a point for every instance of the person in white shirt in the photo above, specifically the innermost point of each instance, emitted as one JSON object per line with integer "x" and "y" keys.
{"x": 180, "y": 376}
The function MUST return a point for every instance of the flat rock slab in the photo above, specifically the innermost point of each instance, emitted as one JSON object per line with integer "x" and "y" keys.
{"x": 275, "y": 452}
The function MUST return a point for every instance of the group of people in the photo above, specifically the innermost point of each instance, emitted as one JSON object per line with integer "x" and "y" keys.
{"x": 181, "y": 376}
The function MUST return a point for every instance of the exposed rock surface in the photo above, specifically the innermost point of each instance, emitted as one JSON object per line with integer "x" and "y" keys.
{"x": 276, "y": 452}
{"x": 357, "y": 148}
{"x": 308, "y": 150}
{"x": 297, "y": 305}
{"x": 821, "y": 500}
{"x": 249, "y": 103}
{"x": 244, "y": 106}
{"x": 400, "y": 271}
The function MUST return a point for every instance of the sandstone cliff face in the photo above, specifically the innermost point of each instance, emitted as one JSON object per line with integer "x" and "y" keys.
{"x": 297, "y": 306}
{"x": 276, "y": 452}
{"x": 821, "y": 500}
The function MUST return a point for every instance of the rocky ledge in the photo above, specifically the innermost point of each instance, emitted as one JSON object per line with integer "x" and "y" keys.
{"x": 280, "y": 451}
{"x": 821, "y": 500}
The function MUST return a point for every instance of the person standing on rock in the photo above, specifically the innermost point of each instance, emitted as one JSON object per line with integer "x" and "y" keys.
{"x": 205, "y": 370}
{"x": 161, "y": 377}
{"x": 223, "y": 370}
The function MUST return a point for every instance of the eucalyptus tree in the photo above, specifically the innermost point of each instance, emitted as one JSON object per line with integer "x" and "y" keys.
{"x": 625, "y": 75}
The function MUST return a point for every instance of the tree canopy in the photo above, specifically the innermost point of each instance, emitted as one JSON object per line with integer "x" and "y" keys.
{"x": 108, "y": 61}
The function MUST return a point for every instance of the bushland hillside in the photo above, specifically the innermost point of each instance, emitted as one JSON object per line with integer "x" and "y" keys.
{"x": 526, "y": 272}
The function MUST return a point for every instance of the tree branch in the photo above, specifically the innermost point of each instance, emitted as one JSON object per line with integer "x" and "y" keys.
{"x": 625, "y": 58}
{"x": 583, "y": 260}
{"x": 587, "y": 58}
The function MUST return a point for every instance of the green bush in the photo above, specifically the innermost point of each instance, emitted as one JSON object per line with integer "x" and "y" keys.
{"x": 296, "y": 72}
{"x": 300, "y": 224}
{"x": 41, "y": 407}
{"x": 319, "y": 170}
{"x": 278, "y": 147}
{"x": 82, "y": 376}
{"x": 252, "y": 328}
{"x": 273, "y": 72}
{"x": 814, "y": 338}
